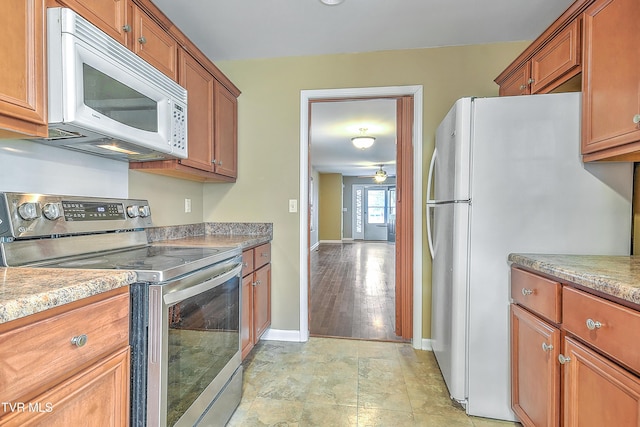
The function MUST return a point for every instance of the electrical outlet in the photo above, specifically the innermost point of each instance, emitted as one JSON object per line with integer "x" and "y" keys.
{"x": 293, "y": 205}
{"x": 187, "y": 205}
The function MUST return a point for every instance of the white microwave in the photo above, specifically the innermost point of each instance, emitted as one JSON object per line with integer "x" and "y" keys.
{"x": 107, "y": 101}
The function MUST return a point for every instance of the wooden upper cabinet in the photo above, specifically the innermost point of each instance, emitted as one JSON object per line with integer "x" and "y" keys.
{"x": 517, "y": 83}
{"x": 611, "y": 81}
{"x": 151, "y": 42}
{"x": 553, "y": 62}
{"x": 200, "y": 89}
{"x": 559, "y": 59}
{"x": 108, "y": 15}
{"x": 23, "y": 104}
{"x": 225, "y": 131}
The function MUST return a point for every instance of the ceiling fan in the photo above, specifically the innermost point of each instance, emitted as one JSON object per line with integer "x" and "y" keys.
{"x": 379, "y": 177}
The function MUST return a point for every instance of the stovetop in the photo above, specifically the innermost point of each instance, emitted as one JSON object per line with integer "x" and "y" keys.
{"x": 151, "y": 263}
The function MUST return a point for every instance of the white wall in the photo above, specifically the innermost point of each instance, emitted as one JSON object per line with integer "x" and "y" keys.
{"x": 30, "y": 167}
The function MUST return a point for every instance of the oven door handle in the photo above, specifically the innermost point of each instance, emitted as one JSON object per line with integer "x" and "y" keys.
{"x": 199, "y": 283}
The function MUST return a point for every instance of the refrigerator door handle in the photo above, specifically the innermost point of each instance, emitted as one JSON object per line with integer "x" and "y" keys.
{"x": 429, "y": 206}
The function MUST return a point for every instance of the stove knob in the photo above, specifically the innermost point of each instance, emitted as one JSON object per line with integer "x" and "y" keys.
{"x": 132, "y": 211}
{"x": 29, "y": 211}
{"x": 144, "y": 211}
{"x": 51, "y": 211}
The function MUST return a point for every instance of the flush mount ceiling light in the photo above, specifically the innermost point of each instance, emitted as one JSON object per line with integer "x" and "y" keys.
{"x": 380, "y": 176}
{"x": 331, "y": 2}
{"x": 363, "y": 141}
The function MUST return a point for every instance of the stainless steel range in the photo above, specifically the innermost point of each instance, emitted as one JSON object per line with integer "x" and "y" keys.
{"x": 185, "y": 320}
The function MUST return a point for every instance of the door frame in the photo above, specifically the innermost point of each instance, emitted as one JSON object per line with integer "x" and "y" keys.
{"x": 370, "y": 92}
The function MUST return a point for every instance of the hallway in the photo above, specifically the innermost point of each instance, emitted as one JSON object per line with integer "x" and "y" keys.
{"x": 353, "y": 291}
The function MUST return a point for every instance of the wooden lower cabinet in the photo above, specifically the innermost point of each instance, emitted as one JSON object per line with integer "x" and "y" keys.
{"x": 256, "y": 296}
{"x": 597, "y": 392}
{"x": 535, "y": 372}
{"x": 579, "y": 372}
{"x": 68, "y": 366}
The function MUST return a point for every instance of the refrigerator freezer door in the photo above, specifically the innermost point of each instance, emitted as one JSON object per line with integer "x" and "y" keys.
{"x": 449, "y": 294}
{"x": 531, "y": 193}
{"x": 449, "y": 171}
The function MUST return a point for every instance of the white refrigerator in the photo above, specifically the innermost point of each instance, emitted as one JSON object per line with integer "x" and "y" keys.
{"x": 506, "y": 176}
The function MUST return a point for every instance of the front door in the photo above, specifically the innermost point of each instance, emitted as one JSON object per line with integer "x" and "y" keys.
{"x": 375, "y": 213}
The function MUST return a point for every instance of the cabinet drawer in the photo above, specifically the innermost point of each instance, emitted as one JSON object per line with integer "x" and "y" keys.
{"x": 609, "y": 327}
{"x": 247, "y": 262}
{"x": 42, "y": 353}
{"x": 262, "y": 255}
{"x": 537, "y": 293}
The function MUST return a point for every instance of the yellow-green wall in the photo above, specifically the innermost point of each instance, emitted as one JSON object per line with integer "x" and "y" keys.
{"x": 330, "y": 206}
{"x": 269, "y": 138}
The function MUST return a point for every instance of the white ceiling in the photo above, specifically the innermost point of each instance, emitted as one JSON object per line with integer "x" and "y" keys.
{"x": 251, "y": 29}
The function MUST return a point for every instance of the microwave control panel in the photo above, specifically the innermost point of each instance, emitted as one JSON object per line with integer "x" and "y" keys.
{"x": 179, "y": 131}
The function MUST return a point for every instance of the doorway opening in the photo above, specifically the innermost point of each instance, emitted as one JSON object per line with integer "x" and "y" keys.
{"x": 408, "y": 227}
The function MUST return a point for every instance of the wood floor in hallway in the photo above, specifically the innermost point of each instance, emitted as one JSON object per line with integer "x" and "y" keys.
{"x": 353, "y": 291}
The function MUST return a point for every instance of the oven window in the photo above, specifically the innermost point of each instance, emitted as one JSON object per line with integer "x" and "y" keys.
{"x": 204, "y": 335}
{"x": 118, "y": 101}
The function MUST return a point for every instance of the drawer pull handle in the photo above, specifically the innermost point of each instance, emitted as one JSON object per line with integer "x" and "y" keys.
{"x": 526, "y": 291}
{"x": 79, "y": 340}
{"x": 264, "y": 254}
{"x": 547, "y": 347}
{"x": 593, "y": 324}
{"x": 563, "y": 359}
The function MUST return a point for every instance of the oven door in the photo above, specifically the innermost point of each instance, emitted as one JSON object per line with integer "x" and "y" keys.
{"x": 193, "y": 343}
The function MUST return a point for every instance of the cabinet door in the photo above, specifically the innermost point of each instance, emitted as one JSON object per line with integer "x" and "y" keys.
{"x": 535, "y": 374}
{"x": 200, "y": 85}
{"x": 153, "y": 44}
{"x": 246, "y": 324}
{"x": 560, "y": 57}
{"x": 262, "y": 301}
{"x": 108, "y": 15}
{"x": 597, "y": 392}
{"x": 611, "y": 81}
{"x": 225, "y": 132}
{"x": 97, "y": 396}
{"x": 23, "y": 71}
{"x": 518, "y": 82}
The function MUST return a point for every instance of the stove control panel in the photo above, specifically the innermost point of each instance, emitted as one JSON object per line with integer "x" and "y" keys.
{"x": 24, "y": 215}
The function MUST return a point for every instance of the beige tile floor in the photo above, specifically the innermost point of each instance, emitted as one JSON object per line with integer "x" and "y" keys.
{"x": 335, "y": 382}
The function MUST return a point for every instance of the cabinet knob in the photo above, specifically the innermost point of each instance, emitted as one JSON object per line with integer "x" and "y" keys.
{"x": 257, "y": 282}
{"x": 245, "y": 264}
{"x": 563, "y": 359}
{"x": 531, "y": 80}
{"x": 126, "y": 28}
{"x": 264, "y": 255}
{"x": 523, "y": 87}
{"x": 214, "y": 161}
{"x": 636, "y": 119}
{"x": 546, "y": 347}
{"x": 593, "y": 324}
{"x": 142, "y": 40}
{"x": 79, "y": 340}
{"x": 526, "y": 291}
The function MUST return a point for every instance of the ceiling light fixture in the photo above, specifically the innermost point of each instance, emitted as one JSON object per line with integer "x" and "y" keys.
{"x": 380, "y": 176}
{"x": 363, "y": 141}
{"x": 331, "y": 2}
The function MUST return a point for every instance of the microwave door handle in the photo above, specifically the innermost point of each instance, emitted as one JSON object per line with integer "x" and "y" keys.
{"x": 198, "y": 288}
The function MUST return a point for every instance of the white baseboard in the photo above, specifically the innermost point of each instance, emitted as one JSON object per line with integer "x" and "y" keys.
{"x": 330, "y": 241}
{"x": 281, "y": 335}
{"x": 315, "y": 246}
{"x": 426, "y": 345}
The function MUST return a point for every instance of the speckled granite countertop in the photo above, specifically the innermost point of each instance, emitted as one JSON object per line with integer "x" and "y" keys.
{"x": 25, "y": 291}
{"x": 617, "y": 276}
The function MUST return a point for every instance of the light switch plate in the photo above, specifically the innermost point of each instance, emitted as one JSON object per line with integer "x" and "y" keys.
{"x": 293, "y": 205}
